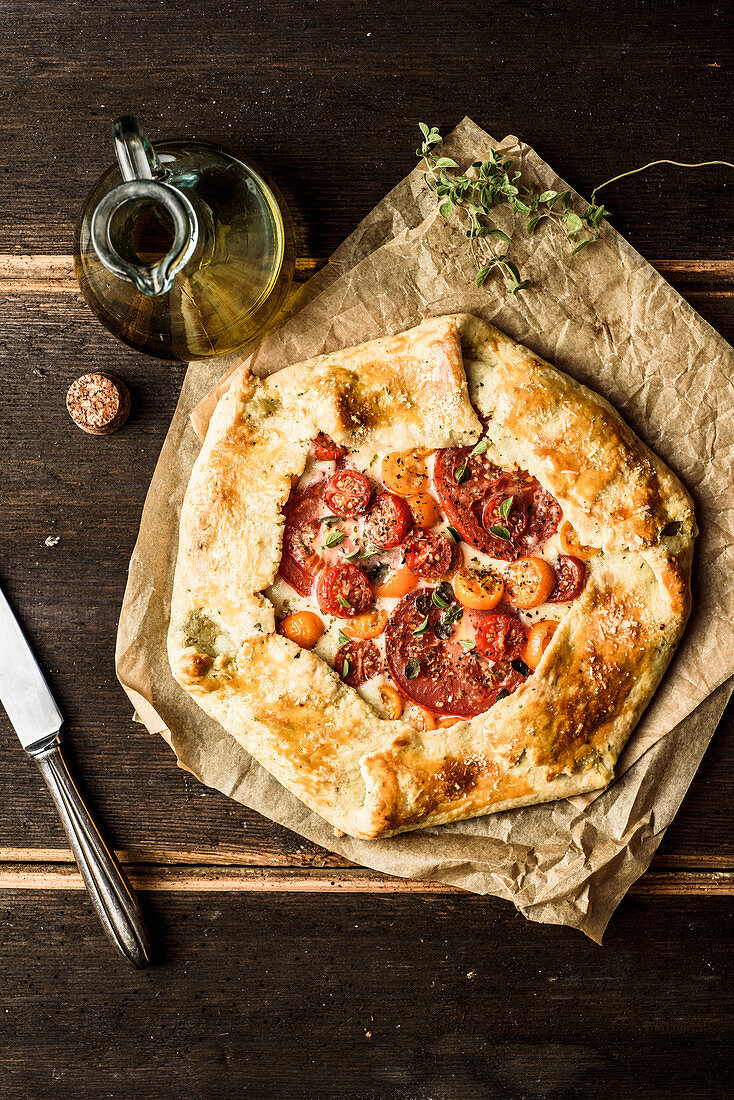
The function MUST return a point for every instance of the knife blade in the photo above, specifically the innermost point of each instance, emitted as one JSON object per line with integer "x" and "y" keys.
{"x": 24, "y": 693}
{"x": 37, "y": 720}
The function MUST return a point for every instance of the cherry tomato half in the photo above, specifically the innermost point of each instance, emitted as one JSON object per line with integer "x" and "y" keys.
{"x": 539, "y": 637}
{"x": 480, "y": 589}
{"x": 501, "y": 637}
{"x": 404, "y": 472}
{"x": 388, "y": 521}
{"x": 357, "y": 662}
{"x": 571, "y": 543}
{"x": 347, "y": 493}
{"x": 529, "y": 582}
{"x": 425, "y": 510}
{"x": 369, "y": 625}
{"x": 428, "y": 556}
{"x": 344, "y": 590}
{"x": 570, "y": 579}
{"x": 302, "y": 627}
{"x": 516, "y": 520}
{"x": 326, "y": 449}
{"x": 398, "y": 583}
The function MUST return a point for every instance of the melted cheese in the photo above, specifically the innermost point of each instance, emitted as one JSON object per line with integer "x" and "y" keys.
{"x": 286, "y": 600}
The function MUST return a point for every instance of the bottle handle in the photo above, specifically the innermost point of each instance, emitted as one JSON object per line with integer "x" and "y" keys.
{"x": 140, "y": 166}
{"x": 135, "y": 155}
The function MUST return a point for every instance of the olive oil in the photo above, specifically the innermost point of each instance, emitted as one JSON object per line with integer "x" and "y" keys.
{"x": 237, "y": 245}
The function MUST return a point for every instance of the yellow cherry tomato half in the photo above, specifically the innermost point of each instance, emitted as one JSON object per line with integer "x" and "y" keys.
{"x": 427, "y": 717}
{"x": 392, "y": 701}
{"x": 366, "y": 626}
{"x": 539, "y": 637}
{"x": 425, "y": 510}
{"x": 571, "y": 544}
{"x": 404, "y": 473}
{"x": 529, "y": 582}
{"x": 302, "y": 627}
{"x": 398, "y": 583}
{"x": 480, "y": 589}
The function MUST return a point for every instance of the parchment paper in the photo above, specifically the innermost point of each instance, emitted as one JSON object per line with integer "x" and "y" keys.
{"x": 609, "y": 319}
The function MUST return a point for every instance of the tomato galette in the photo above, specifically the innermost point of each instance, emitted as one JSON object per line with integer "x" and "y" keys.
{"x": 427, "y": 578}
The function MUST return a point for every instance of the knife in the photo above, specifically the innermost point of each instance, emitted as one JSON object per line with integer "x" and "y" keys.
{"x": 37, "y": 720}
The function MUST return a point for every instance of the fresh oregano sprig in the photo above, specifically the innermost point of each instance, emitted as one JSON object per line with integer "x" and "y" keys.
{"x": 494, "y": 182}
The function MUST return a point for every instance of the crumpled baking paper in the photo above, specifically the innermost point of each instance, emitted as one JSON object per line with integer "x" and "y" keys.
{"x": 610, "y": 320}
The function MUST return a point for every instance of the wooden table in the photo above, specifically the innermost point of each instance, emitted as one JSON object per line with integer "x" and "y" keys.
{"x": 280, "y": 970}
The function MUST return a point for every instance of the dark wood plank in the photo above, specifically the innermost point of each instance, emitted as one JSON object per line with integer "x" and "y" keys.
{"x": 89, "y": 492}
{"x": 328, "y": 95}
{"x": 406, "y": 997}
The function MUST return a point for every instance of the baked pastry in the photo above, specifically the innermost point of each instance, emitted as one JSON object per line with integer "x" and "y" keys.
{"x": 486, "y": 569}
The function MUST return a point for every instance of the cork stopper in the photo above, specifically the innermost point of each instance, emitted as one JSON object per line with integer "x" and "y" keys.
{"x": 98, "y": 403}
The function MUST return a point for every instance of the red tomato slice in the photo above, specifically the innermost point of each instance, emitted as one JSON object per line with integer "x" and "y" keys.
{"x": 361, "y": 660}
{"x": 428, "y": 556}
{"x": 347, "y": 493}
{"x": 463, "y": 500}
{"x": 344, "y": 590}
{"x": 570, "y": 579}
{"x": 300, "y": 563}
{"x": 501, "y": 637}
{"x": 516, "y": 520}
{"x": 472, "y": 503}
{"x": 326, "y": 449}
{"x": 388, "y": 521}
{"x": 436, "y": 672}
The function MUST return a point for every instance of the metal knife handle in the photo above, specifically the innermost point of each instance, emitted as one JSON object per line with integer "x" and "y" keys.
{"x": 109, "y": 889}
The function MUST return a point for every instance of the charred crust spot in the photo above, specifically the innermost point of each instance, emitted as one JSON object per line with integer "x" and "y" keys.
{"x": 192, "y": 666}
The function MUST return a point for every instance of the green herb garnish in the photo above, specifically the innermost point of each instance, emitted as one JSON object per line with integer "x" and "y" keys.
{"x": 334, "y": 538}
{"x": 349, "y": 555}
{"x": 421, "y": 628}
{"x": 496, "y": 182}
{"x": 346, "y": 668}
{"x": 453, "y": 534}
{"x": 500, "y": 532}
{"x": 480, "y": 448}
{"x": 438, "y": 601}
{"x": 467, "y": 643}
{"x": 461, "y": 473}
{"x": 344, "y": 602}
{"x": 342, "y": 638}
{"x": 505, "y": 507}
{"x": 412, "y": 668}
{"x": 328, "y": 520}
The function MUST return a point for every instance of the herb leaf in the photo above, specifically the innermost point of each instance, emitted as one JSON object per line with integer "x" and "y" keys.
{"x": 346, "y": 669}
{"x": 344, "y": 602}
{"x": 452, "y": 533}
{"x": 421, "y": 628}
{"x": 496, "y": 182}
{"x": 480, "y": 448}
{"x": 467, "y": 643}
{"x": 461, "y": 473}
{"x": 412, "y": 668}
{"x": 438, "y": 600}
{"x": 500, "y": 532}
{"x": 342, "y": 638}
{"x": 334, "y": 538}
{"x": 505, "y": 507}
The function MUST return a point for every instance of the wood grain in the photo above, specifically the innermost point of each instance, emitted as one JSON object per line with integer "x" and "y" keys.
{"x": 313, "y": 880}
{"x": 372, "y": 996}
{"x": 281, "y": 970}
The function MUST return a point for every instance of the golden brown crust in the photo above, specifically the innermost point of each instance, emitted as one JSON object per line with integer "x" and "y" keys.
{"x": 562, "y": 731}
